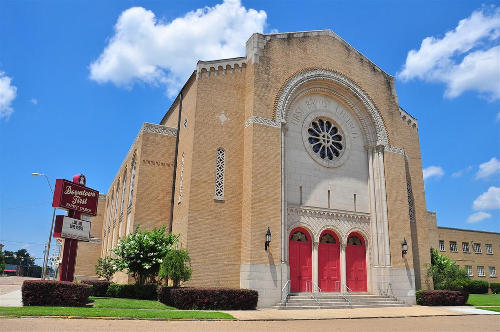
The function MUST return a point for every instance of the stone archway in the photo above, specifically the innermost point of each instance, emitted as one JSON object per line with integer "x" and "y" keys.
{"x": 300, "y": 256}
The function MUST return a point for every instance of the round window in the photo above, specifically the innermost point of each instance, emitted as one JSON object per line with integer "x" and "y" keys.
{"x": 325, "y": 139}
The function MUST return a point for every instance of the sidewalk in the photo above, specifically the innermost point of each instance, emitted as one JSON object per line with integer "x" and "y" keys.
{"x": 388, "y": 312}
{"x": 12, "y": 299}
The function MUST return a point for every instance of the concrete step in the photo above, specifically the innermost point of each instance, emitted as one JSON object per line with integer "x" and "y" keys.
{"x": 337, "y": 301}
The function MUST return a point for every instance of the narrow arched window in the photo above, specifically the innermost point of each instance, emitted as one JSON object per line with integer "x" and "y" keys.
{"x": 219, "y": 174}
{"x": 132, "y": 180}
{"x": 124, "y": 186}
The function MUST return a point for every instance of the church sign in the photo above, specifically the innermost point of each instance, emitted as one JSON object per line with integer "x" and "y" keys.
{"x": 75, "y": 229}
{"x": 76, "y": 197}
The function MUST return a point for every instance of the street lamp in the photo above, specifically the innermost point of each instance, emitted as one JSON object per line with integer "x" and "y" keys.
{"x": 46, "y": 257}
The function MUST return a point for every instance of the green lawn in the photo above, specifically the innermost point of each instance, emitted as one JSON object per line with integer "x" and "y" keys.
{"x": 117, "y": 303}
{"x": 497, "y": 309}
{"x": 109, "y": 312}
{"x": 484, "y": 300}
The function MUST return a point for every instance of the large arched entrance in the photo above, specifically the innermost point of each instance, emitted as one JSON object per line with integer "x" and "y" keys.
{"x": 355, "y": 256}
{"x": 300, "y": 248}
{"x": 329, "y": 262}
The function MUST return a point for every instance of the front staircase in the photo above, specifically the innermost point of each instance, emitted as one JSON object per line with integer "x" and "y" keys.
{"x": 324, "y": 300}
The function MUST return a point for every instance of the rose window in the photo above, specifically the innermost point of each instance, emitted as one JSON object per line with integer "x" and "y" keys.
{"x": 325, "y": 139}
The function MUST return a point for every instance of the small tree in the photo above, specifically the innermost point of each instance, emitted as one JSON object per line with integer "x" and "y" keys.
{"x": 176, "y": 266}
{"x": 142, "y": 252}
{"x": 445, "y": 273}
{"x": 2, "y": 262}
{"x": 105, "y": 267}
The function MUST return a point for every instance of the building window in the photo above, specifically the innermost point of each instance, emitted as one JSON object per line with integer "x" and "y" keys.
{"x": 480, "y": 271}
{"x": 453, "y": 246}
{"x": 477, "y": 248}
{"x": 181, "y": 179}
{"x": 132, "y": 181}
{"x": 124, "y": 186}
{"x": 117, "y": 199}
{"x": 470, "y": 273}
{"x": 465, "y": 247}
{"x": 441, "y": 245}
{"x": 489, "y": 249}
{"x": 219, "y": 174}
{"x": 493, "y": 272}
{"x": 325, "y": 139}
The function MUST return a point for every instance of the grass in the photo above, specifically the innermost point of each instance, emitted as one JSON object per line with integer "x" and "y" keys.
{"x": 119, "y": 303}
{"x": 111, "y": 312}
{"x": 497, "y": 309}
{"x": 484, "y": 300}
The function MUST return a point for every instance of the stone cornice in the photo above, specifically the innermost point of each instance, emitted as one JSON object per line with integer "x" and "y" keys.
{"x": 158, "y": 129}
{"x": 406, "y": 117}
{"x": 262, "y": 121}
{"x": 329, "y": 213}
{"x": 219, "y": 67}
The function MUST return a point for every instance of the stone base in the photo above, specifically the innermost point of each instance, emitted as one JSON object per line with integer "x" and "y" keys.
{"x": 397, "y": 282}
{"x": 264, "y": 278}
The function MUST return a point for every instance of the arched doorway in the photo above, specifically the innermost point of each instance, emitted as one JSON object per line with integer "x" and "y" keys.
{"x": 355, "y": 257}
{"x": 329, "y": 262}
{"x": 300, "y": 248}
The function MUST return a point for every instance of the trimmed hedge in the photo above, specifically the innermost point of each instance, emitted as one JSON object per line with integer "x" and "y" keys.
{"x": 495, "y": 287}
{"x": 134, "y": 291}
{"x": 476, "y": 287}
{"x": 99, "y": 287}
{"x": 441, "y": 297}
{"x": 208, "y": 298}
{"x": 55, "y": 293}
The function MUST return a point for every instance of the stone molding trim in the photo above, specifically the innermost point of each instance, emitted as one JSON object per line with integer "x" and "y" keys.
{"x": 319, "y": 219}
{"x": 395, "y": 149}
{"x": 158, "y": 129}
{"x": 219, "y": 67}
{"x": 410, "y": 120}
{"x": 288, "y": 92}
{"x": 262, "y": 121}
{"x": 102, "y": 196}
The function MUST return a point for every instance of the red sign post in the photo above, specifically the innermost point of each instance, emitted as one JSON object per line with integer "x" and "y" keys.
{"x": 77, "y": 199}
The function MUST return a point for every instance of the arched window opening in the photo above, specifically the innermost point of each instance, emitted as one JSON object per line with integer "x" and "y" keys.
{"x": 219, "y": 174}
{"x": 124, "y": 185}
{"x": 298, "y": 236}
{"x": 327, "y": 238}
{"x": 354, "y": 241}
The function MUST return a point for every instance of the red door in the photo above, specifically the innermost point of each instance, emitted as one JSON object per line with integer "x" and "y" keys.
{"x": 355, "y": 256}
{"x": 329, "y": 262}
{"x": 300, "y": 260}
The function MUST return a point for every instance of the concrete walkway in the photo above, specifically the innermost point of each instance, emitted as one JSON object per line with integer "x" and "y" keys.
{"x": 12, "y": 299}
{"x": 388, "y": 312}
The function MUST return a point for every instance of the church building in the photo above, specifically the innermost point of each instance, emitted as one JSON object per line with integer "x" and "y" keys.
{"x": 291, "y": 169}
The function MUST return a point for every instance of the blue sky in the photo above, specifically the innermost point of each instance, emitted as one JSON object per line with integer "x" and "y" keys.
{"x": 77, "y": 80}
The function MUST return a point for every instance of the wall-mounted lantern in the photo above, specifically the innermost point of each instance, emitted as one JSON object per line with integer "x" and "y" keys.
{"x": 268, "y": 238}
{"x": 404, "y": 248}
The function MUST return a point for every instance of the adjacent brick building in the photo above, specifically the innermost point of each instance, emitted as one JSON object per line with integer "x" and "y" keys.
{"x": 303, "y": 136}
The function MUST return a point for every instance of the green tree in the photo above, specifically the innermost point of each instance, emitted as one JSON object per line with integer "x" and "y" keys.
{"x": 10, "y": 257}
{"x": 445, "y": 273}
{"x": 142, "y": 252}
{"x": 105, "y": 267}
{"x": 176, "y": 266}
{"x": 2, "y": 262}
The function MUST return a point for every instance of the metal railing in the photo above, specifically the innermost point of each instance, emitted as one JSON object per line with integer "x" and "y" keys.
{"x": 311, "y": 290}
{"x": 387, "y": 291}
{"x": 285, "y": 291}
{"x": 346, "y": 295}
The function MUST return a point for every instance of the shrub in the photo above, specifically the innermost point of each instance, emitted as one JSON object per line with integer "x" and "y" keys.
{"x": 476, "y": 287}
{"x": 99, "y": 287}
{"x": 55, "y": 293}
{"x": 445, "y": 273}
{"x": 208, "y": 298}
{"x": 105, "y": 267}
{"x": 142, "y": 252}
{"x": 441, "y": 297}
{"x": 134, "y": 291}
{"x": 176, "y": 266}
{"x": 495, "y": 287}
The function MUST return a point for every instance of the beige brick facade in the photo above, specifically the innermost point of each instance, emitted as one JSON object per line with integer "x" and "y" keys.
{"x": 255, "y": 109}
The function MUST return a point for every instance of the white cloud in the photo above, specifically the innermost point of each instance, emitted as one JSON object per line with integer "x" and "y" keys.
{"x": 146, "y": 49}
{"x": 34, "y": 101}
{"x": 478, "y": 216}
{"x": 488, "y": 168}
{"x": 466, "y": 58}
{"x": 433, "y": 171}
{"x": 461, "y": 172}
{"x": 489, "y": 200}
{"x": 8, "y": 93}
{"x": 498, "y": 116}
